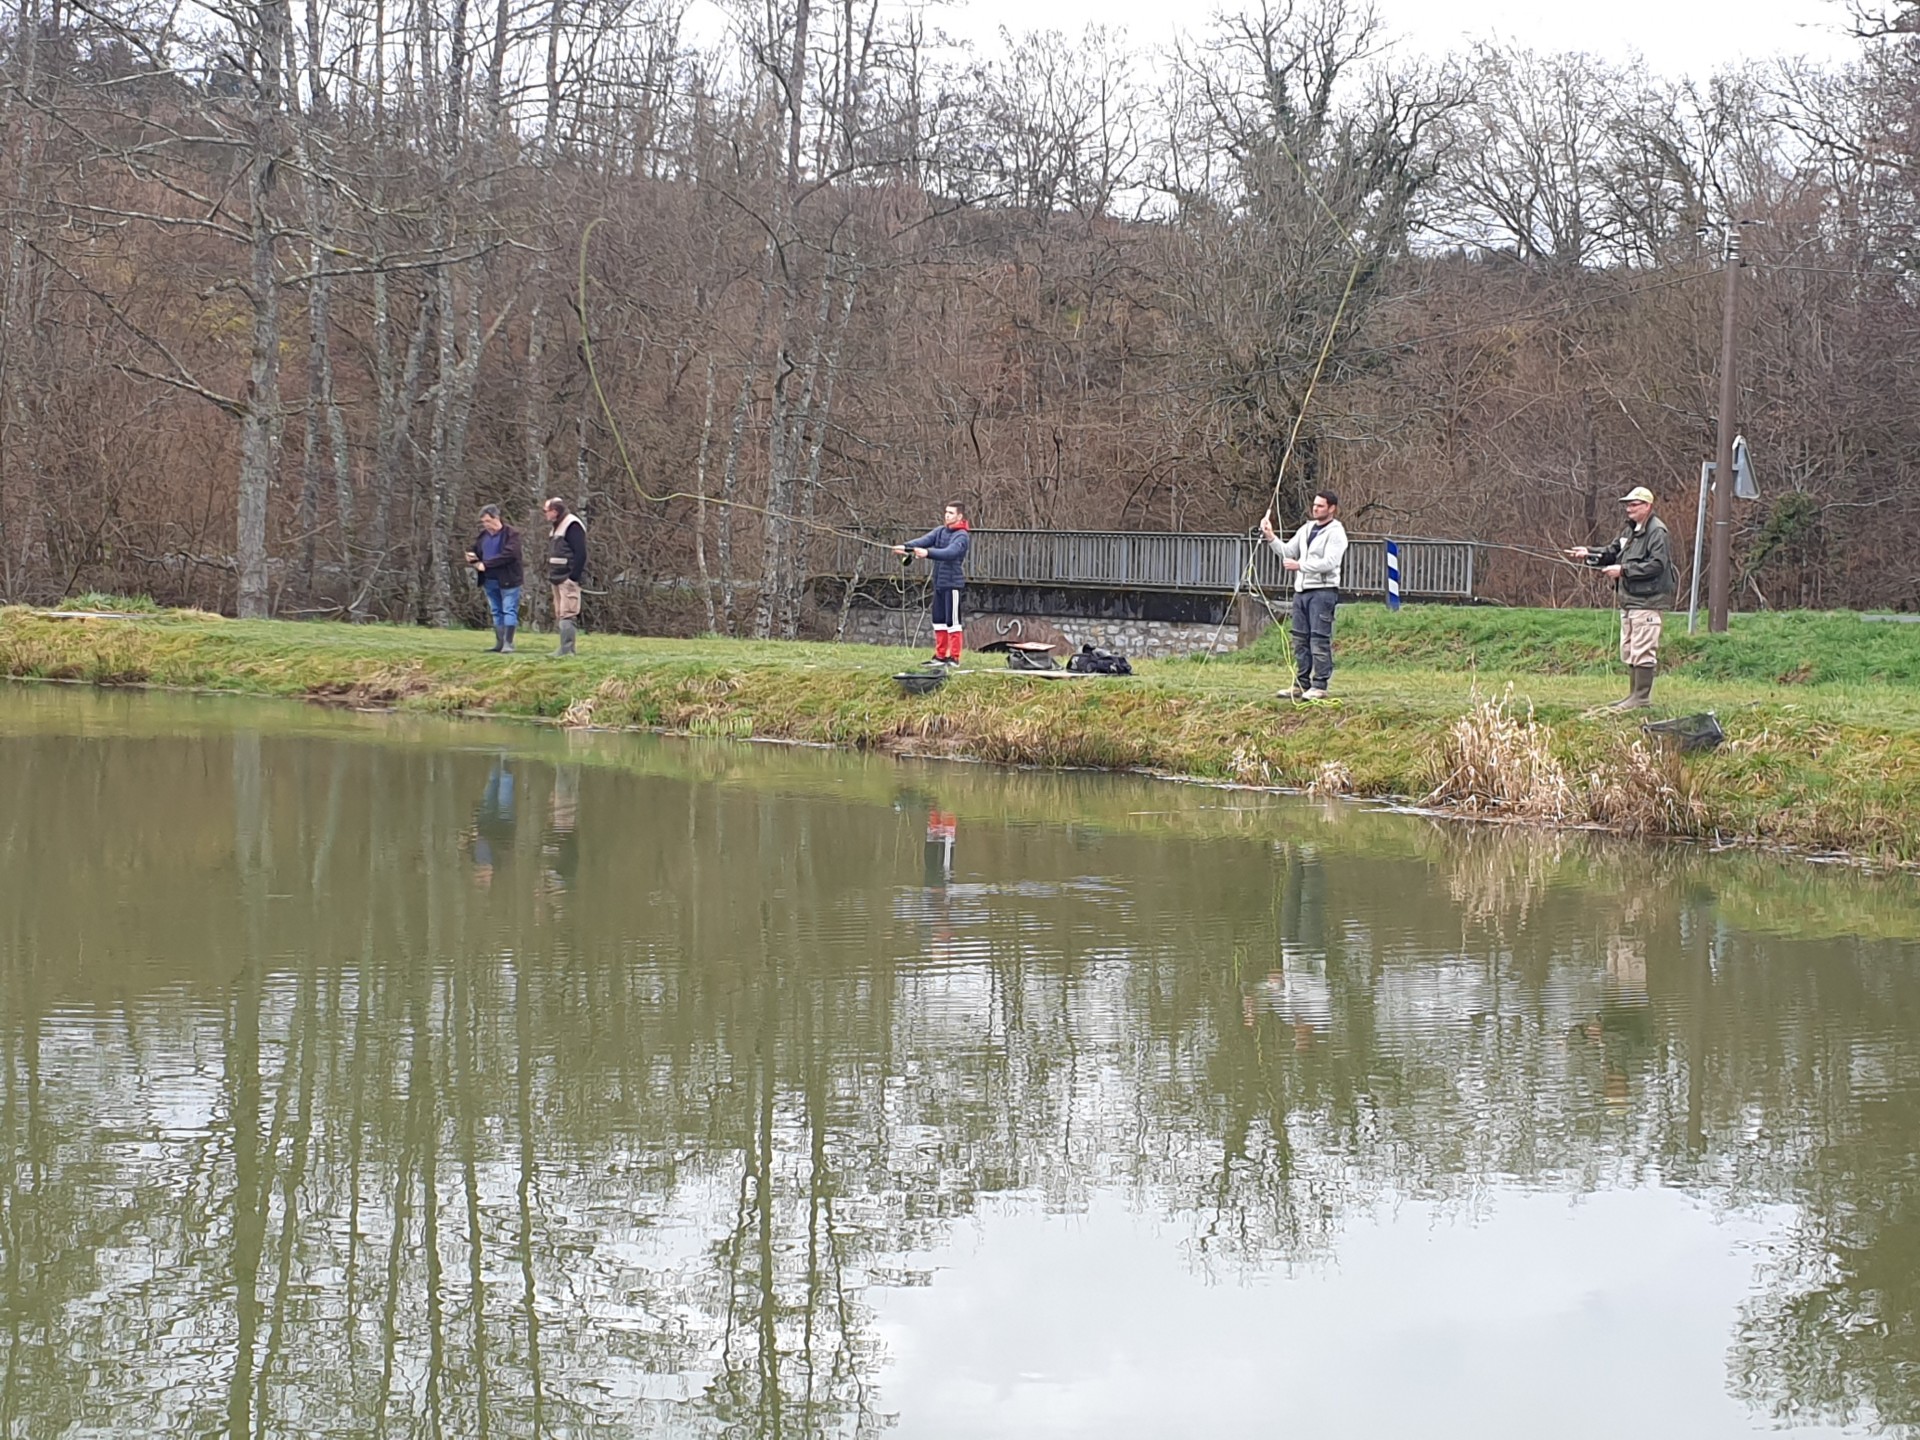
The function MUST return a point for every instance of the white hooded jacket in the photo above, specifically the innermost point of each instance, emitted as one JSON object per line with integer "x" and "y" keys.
{"x": 1319, "y": 560}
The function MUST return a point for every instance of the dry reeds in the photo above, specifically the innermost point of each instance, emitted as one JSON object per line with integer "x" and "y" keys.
{"x": 1497, "y": 762}
{"x": 1333, "y": 777}
{"x": 611, "y": 693}
{"x": 1645, "y": 790}
{"x": 1247, "y": 766}
{"x": 1493, "y": 761}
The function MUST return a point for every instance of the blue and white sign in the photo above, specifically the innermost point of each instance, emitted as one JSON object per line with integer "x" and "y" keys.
{"x": 1393, "y": 576}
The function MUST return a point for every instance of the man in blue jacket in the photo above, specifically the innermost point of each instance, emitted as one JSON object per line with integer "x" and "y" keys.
{"x": 947, "y": 548}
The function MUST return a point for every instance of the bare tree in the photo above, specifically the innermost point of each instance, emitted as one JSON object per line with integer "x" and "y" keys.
{"x": 1531, "y": 156}
{"x": 1296, "y": 163}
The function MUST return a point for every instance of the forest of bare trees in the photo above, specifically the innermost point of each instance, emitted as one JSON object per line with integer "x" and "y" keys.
{"x": 292, "y": 286}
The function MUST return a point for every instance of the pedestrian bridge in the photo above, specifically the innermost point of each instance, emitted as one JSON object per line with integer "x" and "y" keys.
{"x": 1212, "y": 566}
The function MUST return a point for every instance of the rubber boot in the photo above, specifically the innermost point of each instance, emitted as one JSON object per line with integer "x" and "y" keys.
{"x": 499, "y": 639}
{"x": 1641, "y": 695}
{"x": 506, "y": 640}
{"x": 567, "y": 634}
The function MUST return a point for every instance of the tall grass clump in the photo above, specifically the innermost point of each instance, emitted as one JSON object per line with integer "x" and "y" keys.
{"x": 1497, "y": 761}
{"x": 104, "y": 602}
{"x": 1644, "y": 790}
{"x": 1494, "y": 761}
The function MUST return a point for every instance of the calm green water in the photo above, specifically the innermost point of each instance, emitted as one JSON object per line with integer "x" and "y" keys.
{"x": 377, "y": 1076}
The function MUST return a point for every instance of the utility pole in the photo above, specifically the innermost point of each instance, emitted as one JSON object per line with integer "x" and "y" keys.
{"x": 1720, "y": 567}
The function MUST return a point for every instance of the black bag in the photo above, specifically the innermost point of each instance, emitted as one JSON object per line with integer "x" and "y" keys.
{"x": 1092, "y": 661}
{"x": 1020, "y": 658}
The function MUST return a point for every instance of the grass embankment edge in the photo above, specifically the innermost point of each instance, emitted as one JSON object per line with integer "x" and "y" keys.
{"x": 1788, "y": 777}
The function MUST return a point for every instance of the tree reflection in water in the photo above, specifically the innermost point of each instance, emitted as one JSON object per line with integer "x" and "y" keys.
{"x": 310, "y": 1134}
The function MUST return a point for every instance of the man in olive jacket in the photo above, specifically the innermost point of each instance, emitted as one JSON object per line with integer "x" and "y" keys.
{"x": 1640, "y": 564}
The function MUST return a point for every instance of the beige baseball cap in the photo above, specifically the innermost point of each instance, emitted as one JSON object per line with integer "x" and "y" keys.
{"x": 1639, "y": 493}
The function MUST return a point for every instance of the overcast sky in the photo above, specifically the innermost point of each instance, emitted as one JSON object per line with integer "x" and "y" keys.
{"x": 1694, "y": 37}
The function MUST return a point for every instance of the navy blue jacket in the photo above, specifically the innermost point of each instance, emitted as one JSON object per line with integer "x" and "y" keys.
{"x": 947, "y": 548}
{"x": 504, "y": 567}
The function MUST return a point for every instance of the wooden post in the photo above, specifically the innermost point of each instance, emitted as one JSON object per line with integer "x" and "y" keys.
{"x": 1252, "y": 617}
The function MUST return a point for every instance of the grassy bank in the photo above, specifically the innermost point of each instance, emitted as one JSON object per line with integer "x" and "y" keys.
{"x": 1822, "y": 712}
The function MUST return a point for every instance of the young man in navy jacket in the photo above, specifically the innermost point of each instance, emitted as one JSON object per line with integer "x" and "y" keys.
{"x": 947, "y": 549}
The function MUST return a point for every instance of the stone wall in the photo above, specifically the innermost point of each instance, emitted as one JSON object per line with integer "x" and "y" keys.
{"x": 1149, "y": 639}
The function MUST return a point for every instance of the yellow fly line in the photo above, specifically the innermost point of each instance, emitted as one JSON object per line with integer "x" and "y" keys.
{"x": 1247, "y": 580}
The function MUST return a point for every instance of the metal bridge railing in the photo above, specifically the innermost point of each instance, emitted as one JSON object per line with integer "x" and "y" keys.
{"x": 1203, "y": 563}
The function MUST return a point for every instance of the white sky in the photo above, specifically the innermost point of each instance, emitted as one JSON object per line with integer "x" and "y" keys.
{"x": 1693, "y": 37}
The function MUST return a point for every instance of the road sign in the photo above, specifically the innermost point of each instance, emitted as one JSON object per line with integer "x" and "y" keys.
{"x": 1744, "y": 486}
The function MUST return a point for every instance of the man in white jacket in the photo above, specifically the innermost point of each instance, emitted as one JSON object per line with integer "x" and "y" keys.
{"x": 1313, "y": 555}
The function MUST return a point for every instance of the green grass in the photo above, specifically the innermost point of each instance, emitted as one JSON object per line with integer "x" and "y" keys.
{"x": 101, "y": 600}
{"x": 1797, "y": 648}
{"x": 1822, "y": 711}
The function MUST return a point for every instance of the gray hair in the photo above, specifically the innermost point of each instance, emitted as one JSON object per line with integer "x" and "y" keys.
{"x": 489, "y": 512}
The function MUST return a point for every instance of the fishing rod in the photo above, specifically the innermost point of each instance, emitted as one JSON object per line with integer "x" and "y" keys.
{"x": 1252, "y": 583}
{"x": 1554, "y": 556}
{"x": 620, "y": 443}
{"x": 1326, "y": 345}
{"x": 1313, "y": 383}
{"x": 1247, "y": 578}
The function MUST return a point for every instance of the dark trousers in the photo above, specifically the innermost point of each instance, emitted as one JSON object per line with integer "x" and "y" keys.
{"x": 1313, "y": 637}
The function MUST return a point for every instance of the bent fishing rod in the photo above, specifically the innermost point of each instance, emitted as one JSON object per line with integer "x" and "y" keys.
{"x": 1247, "y": 577}
{"x": 620, "y": 442}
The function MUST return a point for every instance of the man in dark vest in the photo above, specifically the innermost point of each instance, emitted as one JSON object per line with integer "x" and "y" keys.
{"x": 566, "y": 567}
{"x": 1640, "y": 564}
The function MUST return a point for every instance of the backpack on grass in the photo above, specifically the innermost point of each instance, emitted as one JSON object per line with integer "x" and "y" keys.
{"x": 1094, "y": 661}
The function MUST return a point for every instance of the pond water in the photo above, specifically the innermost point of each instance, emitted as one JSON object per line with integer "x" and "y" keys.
{"x": 370, "y": 1075}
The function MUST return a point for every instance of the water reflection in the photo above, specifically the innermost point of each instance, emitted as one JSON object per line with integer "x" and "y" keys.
{"x": 493, "y": 824}
{"x": 560, "y": 842}
{"x": 679, "y": 1122}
